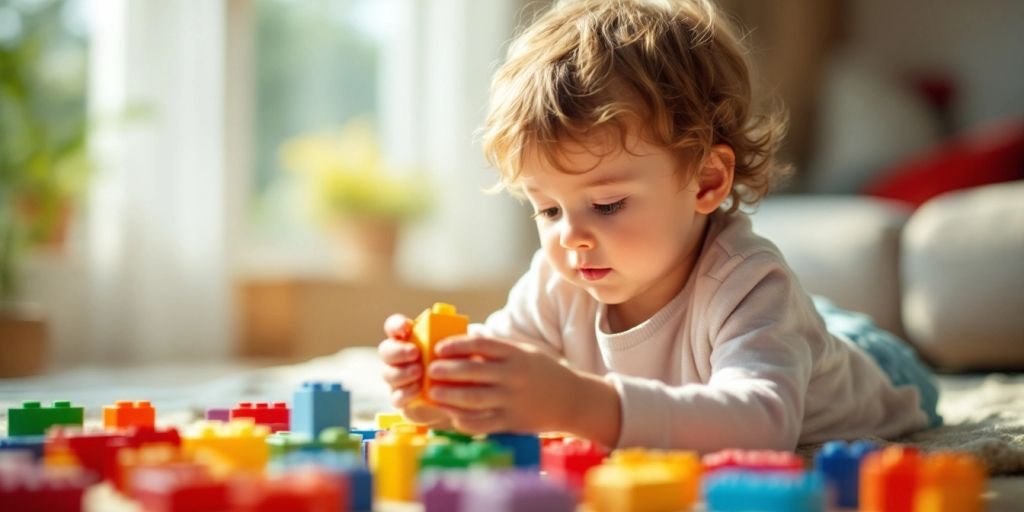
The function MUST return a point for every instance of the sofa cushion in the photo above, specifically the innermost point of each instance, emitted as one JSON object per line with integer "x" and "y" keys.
{"x": 963, "y": 278}
{"x": 842, "y": 247}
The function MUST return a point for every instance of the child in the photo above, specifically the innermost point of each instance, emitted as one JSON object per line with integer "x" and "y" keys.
{"x": 652, "y": 316}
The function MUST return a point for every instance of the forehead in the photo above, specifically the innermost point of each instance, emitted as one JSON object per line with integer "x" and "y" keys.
{"x": 595, "y": 160}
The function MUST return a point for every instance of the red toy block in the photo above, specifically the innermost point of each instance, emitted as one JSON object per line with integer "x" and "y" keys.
{"x": 889, "y": 479}
{"x": 752, "y": 460}
{"x": 140, "y": 436}
{"x": 307, "y": 490}
{"x": 178, "y": 487}
{"x": 130, "y": 459}
{"x": 32, "y": 487}
{"x": 273, "y": 415}
{"x": 95, "y": 451}
{"x": 568, "y": 460}
{"x": 125, "y": 413}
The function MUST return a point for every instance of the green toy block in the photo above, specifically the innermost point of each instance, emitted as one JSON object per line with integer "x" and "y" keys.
{"x": 32, "y": 419}
{"x": 335, "y": 439}
{"x": 465, "y": 455}
{"x": 339, "y": 439}
{"x": 452, "y": 436}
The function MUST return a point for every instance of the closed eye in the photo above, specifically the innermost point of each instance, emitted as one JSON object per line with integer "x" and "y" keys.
{"x": 610, "y": 208}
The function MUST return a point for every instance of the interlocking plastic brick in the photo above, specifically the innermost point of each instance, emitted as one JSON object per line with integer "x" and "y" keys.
{"x": 476, "y": 454}
{"x": 889, "y": 479}
{"x": 331, "y": 439}
{"x": 743, "y": 490}
{"x": 386, "y": 420}
{"x": 178, "y": 487}
{"x": 950, "y": 482}
{"x": 32, "y": 419}
{"x": 525, "y": 448}
{"x": 320, "y": 405}
{"x": 441, "y": 491}
{"x": 365, "y": 433}
{"x": 840, "y": 462}
{"x": 342, "y": 465}
{"x": 637, "y": 479}
{"x": 218, "y": 414}
{"x": 238, "y": 445}
{"x": 429, "y": 328}
{"x": 395, "y": 458}
{"x": 125, "y": 413}
{"x": 95, "y": 451}
{"x": 273, "y": 415}
{"x": 451, "y": 436}
{"x": 752, "y": 460}
{"x": 515, "y": 491}
{"x": 31, "y": 444}
{"x": 25, "y": 485}
{"x": 130, "y": 459}
{"x": 567, "y": 460}
{"x": 307, "y": 489}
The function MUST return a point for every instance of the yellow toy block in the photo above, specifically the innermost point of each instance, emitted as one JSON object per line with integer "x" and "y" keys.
{"x": 950, "y": 482}
{"x": 432, "y": 326}
{"x": 637, "y": 480}
{"x": 385, "y": 420}
{"x": 239, "y": 445}
{"x": 396, "y": 459}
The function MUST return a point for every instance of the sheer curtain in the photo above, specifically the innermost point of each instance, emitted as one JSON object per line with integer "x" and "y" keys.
{"x": 157, "y": 226}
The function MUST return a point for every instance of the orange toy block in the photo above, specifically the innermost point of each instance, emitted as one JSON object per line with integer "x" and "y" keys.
{"x": 889, "y": 479}
{"x": 950, "y": 482}
{"x": 432, "y": 326}
{"x": 125, "y": 413}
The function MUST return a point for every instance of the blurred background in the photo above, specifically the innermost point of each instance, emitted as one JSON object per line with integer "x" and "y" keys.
{"x": 197, "y": 180}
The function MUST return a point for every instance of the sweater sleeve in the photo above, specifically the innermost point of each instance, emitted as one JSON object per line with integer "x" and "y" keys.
{"x": 530, "y": 314}
{"x": 761, "y": 363}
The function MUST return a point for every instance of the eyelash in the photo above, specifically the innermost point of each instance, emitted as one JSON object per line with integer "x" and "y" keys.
{"x": 601, "y": 209}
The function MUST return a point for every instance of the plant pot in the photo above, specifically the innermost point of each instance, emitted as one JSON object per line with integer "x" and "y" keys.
{"x": 366, "y": 247}
{"x": 24, "y": 341}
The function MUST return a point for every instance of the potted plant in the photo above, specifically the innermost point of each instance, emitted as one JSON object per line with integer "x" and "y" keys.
{"x": 352, "y": 191}
{"x": 43, "y": 162}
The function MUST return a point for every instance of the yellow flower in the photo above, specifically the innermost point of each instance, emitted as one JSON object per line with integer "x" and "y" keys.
{"x": 345, "y": 175}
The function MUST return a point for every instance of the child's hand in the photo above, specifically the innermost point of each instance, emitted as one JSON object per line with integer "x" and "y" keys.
{"x": 404, "y": 372}
{"x": 489, "y": 385}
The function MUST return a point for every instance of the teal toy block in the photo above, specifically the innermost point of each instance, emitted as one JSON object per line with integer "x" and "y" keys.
{"x": 733, "y": 490}
{"x": 317, "y": 406}
{"x": 525, "y": 448}
{"x": 32, "y": 419}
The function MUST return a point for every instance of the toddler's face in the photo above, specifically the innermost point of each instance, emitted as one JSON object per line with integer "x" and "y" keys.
{"x": 623, "y": 226}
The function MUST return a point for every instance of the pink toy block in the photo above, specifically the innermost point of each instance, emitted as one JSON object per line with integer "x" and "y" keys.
{"x": 752, "y": 460}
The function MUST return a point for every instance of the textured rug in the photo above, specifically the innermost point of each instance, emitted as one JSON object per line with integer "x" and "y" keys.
{"x": 984, "y": 415}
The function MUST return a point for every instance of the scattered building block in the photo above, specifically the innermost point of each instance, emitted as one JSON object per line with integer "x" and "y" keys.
{"x": 735, "y": 490}
{"x": 396, "y": 462}
{"x": 342, "y": 465}
{"x": 752, "y": 460}
{"x": 30, "y": 444}
{"x": 515, "y": 491}
{"x": 889, "y": 478}
{"x": 477, "y": 454}
{"x": 567, "y": 461}
{"x": 950, "y": 482}
{"x": 637, "y": 479}
{"x": 525, "y": 448}
{"x": 386, "y": 420}
{"x": 839, "y": 462}
{"x": 32, "y": 419}
{"x": 25, "y": 485}
{"x": 218, "y": 414}
{"x": 125, "y": 413}
{"x": 274, "y": 416}
{"x": 320, "y": 405}
{"x": 236, "y": 446}
{"x": 179, "y": 487}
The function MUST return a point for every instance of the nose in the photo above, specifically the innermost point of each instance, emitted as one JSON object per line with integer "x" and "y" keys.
{"x": 575, "y": 234}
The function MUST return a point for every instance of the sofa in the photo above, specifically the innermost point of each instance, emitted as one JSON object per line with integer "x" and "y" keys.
{"x": 948, "y": 276}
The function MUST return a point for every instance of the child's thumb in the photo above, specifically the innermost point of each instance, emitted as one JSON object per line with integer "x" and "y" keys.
{"x": 398, "y": 327}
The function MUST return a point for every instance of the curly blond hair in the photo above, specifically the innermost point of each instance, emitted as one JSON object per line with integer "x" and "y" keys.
{"x": 675, "y": 67}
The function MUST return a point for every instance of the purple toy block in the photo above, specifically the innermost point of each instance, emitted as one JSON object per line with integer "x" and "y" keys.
{"x": 218, "y": 414}
{"x": 441, "y": 491}
{"x": 514, "y": 491}
{"x": 840, "y": 463}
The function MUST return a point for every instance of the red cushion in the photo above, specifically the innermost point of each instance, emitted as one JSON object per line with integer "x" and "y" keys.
{"x": 992, "y": 153}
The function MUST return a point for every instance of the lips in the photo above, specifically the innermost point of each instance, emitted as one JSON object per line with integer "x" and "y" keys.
{"x": 593, "y": 274}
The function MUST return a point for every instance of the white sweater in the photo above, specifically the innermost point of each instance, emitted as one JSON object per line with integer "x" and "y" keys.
{"x": 739, "y": 359}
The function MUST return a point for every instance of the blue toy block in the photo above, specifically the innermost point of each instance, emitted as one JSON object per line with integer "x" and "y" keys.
{"x": 320, "y": 405}
{"x": 366, "y": 433}
{"x": 32, "y": 444}
{"x": 840, "y": 462}
{"x": 525, "y": 448}
{"x": 341, "y": 464}
{"x": 738, "y": 491}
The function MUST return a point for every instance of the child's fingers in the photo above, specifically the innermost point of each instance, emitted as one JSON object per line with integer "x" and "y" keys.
{"x": 466, "y": 370}
{"x": 398, "y": 352}
{"x": 404, "y": 396}
{"x": 465, "y": 346}
{"x": 473, "y": 398}
{"x": 477, "y": 421}
{"x": 398, "y": 326}
{"x": 402, "y": 375}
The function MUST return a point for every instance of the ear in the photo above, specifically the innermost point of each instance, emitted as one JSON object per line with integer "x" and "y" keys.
{"x": 714, "y": 179}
